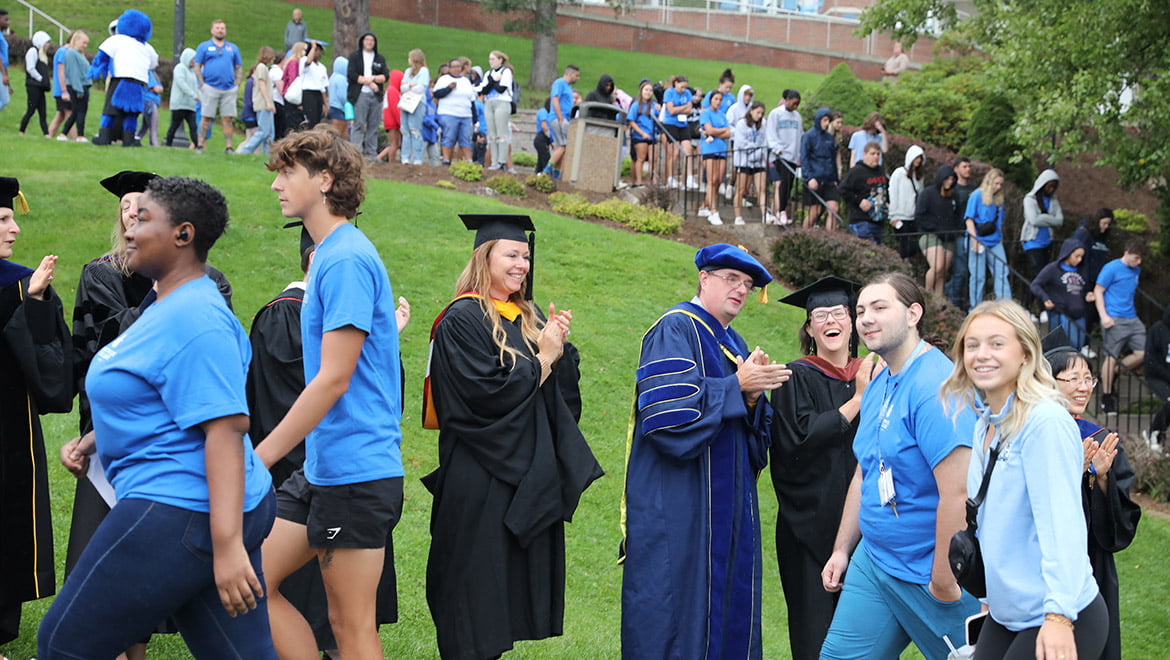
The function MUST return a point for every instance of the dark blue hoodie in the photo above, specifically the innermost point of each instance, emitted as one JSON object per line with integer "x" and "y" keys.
{"x": 818, "y": 152}
{"x": 1063, "y": 284}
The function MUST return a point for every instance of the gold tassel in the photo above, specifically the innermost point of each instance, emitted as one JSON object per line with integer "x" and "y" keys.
{"x": 764, "y": 295}
{"x": 20, "y": 204}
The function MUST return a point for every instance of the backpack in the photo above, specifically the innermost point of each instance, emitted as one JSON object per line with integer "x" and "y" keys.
{"x": 515, "y": 93}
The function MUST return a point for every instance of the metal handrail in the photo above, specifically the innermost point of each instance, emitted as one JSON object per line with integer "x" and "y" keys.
{"x": 61, "y": 29}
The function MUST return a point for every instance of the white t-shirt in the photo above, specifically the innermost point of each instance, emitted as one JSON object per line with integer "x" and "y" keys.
{"x": 367, "y": 69}
{"x": 458, "y": 102}
{"x": 276, "y": 73}
{"x": 131, "y": 58}
{"x": 314, "y": 77}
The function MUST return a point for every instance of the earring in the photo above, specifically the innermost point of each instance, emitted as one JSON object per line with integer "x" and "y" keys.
{"x": 324, "y": 198}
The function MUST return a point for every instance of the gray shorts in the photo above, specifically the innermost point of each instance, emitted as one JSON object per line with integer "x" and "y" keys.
{"x": 221, "y": 100}
{"x": 1126, "y": 336}
{"x": 560, "y": 132}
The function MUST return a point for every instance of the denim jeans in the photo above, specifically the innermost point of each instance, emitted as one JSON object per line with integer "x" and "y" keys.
{"x": 413, "y": 145}
{"x": 956, "y": 288}
{"x": 978, "y": 263}
{"x": 1074, "y": 328}
{"x": 870, "y": 231}
{"x": 262, "y": 136}
{"x": 456, "y": 131}
{"x": 148, "y": 561}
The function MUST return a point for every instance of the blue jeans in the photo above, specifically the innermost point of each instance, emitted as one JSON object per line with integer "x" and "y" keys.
{"x": 148, "y": 561}
{"x": 956, "y": 287}
{"x": 978, "y": 263}
{"x": 879, "y": 615}
{"x": 264, "y": 133}
{"x": 412, "y": 140}
{"x": 870, "y": 231}
{"x": 1074, "y": 328}
{"x": 455, "y": 130}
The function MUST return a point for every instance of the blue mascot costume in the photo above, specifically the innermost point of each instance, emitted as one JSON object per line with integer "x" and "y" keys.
{"x": 128, "y": 59}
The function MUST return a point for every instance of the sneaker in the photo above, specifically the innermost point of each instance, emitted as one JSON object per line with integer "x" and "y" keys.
{"x": 198, "y": 150}
{"x": 1088, "y": 352}
{"x": 692, "y": 184}
{"x": 747, "y": 203}
{"x": 510, "y": 170}
{"x": 1109, "y": 403}
{"x": 229, "y": 150}
{"x": 81, "y": 139}
{"x": 715, "y": 219}
{"x": 704, "y": 212}
{"x": 723, "y": 189}
{"x": 62, "y": 138}
{"x": 784, "y": 219}
{"x": 446, "y": 163}
{"x": 672, "y": 184}
{"x": 770, "y": 219}
{"x": 556, "y": 175}
{"x": 1044, "y": 317}
{"x": 739, "y": 220}
{"x": 416, "y": 162}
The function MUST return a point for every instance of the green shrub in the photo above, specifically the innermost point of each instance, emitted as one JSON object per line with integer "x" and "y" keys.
{"x": 445, "y": 185}
{"x": 1163, "y": 217}
{"x": 614, "y": 209}
{"x": 1151, "y": 469}
{"x": 650, "y": 220}
{"x": 466, "y": 170}
{"x": 842, "y": 91}
{"x": 934, "y": 105}
{"x": 1131, "y": 221}
{"x": 507, "y": 185}
{"x": 541, "y": 183}
{"x": 569, "y": 204}
{"x": 627, "y": 167}
{"x": 989, "y": 138}
{"x": 524, "y": 159}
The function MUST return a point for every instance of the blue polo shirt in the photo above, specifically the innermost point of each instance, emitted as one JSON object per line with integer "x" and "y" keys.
{"x": 905, "y": 426}
{"x": 183, "y": 362}
{"x": 562, "y": 92}
{"x": 359, "y": 439}
{"x": 219, "y": 63}
{"x": 1120, "y": 283}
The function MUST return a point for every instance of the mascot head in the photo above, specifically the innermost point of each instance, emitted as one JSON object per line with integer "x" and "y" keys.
{"x": 136, "y": 24}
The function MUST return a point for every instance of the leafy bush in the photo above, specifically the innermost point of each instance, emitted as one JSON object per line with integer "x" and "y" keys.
{"x": 627, "y": 167}
{"x": 1151, "y": 469}
{"x": 541, "y": 183}
{"x": 524, "y": 159}
{"x": 989, "y": 138}
{"x": 466, "y": 170}
{"x": 445, "y": 185}
{"x": 842, "y": 91}
{"x": 655, "y": 221}
{"x": 1131, "y": 221}
{"x": 614, "y": 209}
{"x": 935, "y": 104}
{"x": 507, "y": 185}
{"x": 569, "y": 204}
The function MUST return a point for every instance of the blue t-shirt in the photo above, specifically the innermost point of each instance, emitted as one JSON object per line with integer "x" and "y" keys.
{"x": 905, "y": 426}
{"x": 679, "y": 99}
{"x": 219, "y": 63}
{"x": 359, "y": 439}
{"x": 643, "y": 121}
{"x": 182, "y": 363}
{"x": 980, "y": 213}
{"x": 717, "y": 119}
{"x": 562, "y": 92}
{"x": 543, "y": 116}
{"x": 58, "y": 59}
{"x": 724, "y": 105}
{"x": 857, "y": 143}
{"x": 1120, "y": 283}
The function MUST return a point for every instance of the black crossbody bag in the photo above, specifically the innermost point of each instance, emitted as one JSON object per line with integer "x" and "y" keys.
{"x": 965, "y": 556}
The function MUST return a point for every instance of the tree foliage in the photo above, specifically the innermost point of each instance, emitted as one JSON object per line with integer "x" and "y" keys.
{"x": 989, "y": 138}
{"x": 935, "y": 104}
{"x": 1067, "y": 66}
{"x": 841, "y": 91}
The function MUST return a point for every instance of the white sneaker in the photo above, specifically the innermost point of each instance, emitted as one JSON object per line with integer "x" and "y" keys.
{"x": 692, "y": 184}
{"x": 1088, "y": 352}
{"x": 62, "y": 138}
{"x": 739, "y": 220}
{"x": 704, "y": 212}
{"x": 1044, "y": 317}
{"x": 784, "y": 219}
{"x": 770, "y": 219}
{"x": 715, "y": 219}
{"x": 730, "y": 193}
{"x": 81, "y": 139}
{"x": 723, "y": 189}
{"x": 748, "y": 203}
{"x": 672, "y": 184}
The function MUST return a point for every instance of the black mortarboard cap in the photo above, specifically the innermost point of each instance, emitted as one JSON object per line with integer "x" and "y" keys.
{"x": 128, "y": 181}
{"x": 9, "y": 193}
{"x": 306, "y": 239}
{"x": 1054, "y": 343}
{"x": 500, "y": 226}
{"x": 826, "y": 292}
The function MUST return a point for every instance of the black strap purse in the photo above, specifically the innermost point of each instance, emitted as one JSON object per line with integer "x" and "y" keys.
{"x": 965, "y": 556}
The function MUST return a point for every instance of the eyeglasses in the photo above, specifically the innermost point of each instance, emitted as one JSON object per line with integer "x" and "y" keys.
{"x": 1087, "y": 381}
{"x": 735, "y": 282}
{"x": 821, "y": 316}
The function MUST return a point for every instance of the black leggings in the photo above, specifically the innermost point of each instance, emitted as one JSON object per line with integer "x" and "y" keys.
{"x": 177, "y": 119}
{"x": 36, "y": 103}
{"x": 80, "y": 102}
{"x": 541, "y": 143}
{"x": 997, "y": 642}
{"x": 314, "y": 104}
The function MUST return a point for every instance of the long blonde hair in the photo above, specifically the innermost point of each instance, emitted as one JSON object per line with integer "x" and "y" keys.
{"x": 476, "y": 277}
{"x": 417, "y": 61}
{"x": 117, "y": 253}
{"x": 298, "y": 51}
{"x": 990, "y": 196}
{"x": 1034, "y": 382}
{"x": 76, "y": 38}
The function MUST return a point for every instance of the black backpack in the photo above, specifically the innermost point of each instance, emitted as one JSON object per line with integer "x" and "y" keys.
{"x": 515, "y": 93}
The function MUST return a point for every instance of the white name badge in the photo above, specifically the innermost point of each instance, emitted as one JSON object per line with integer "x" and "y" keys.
{"x": 885, "y": 484}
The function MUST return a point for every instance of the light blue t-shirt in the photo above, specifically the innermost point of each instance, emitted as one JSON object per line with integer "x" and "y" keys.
{"x": 219, "y": 63}
{"x": 359, "y": 439}
{"x": 904, "y": 426}
{"x": 1031, "y": 530}
{"x": 562, "y": 92}
{"x": 182, "y": 363}
{"x": 644, "y": 121}
{"x": 58, "y": 59}
{"x": 717, "y": 119}
{"x": 1120, "y": 283}
{"x": 857, "y": 143}
{"x": 543, "y": 116}
{"x": 724, "y": 105}
{"x": 678, "y": 99}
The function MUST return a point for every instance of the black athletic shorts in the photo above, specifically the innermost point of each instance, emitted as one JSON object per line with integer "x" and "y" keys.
{"x": 357, "y": 515}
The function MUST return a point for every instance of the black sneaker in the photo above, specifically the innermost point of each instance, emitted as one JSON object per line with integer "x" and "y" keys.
{"x": 1109, "y": 404}
{"x": 229, "y": 150}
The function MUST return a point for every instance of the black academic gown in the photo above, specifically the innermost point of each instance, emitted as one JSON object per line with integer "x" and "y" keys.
{"x": 1112, "y": 518}
{"x": 512, "y": 467}
{"x": 812, "y": 463}
{"x": 276, "y": 377}
{"x": 36, "y": 377}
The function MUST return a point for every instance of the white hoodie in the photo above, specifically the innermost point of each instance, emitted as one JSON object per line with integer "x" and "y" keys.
{"x": 903, "y": 189}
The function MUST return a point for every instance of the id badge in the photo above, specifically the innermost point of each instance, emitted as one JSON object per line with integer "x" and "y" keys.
{"x": 885, "y": 484}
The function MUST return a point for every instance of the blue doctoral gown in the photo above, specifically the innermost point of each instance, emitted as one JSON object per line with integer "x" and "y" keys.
{"x": 691, "y": 585}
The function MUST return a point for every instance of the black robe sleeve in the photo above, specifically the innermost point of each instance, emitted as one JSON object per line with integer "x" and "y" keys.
{"x": 40, "y": 342}
{"x": 807, "y": 421}
{"x": 276, "y": 375}
{"x": 1113, "y": 516}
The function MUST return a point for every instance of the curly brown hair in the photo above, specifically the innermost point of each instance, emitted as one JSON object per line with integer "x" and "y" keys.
{"x": 324, "y": 150}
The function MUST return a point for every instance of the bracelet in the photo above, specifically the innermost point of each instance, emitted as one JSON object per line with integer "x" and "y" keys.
{"x": 1060, "y": 618}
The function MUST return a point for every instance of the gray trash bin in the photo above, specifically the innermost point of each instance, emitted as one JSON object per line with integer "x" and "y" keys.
{"x": 593, "y": 156}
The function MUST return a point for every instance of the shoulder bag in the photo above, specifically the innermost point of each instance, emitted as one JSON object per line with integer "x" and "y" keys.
{"x": 965, "y": 555}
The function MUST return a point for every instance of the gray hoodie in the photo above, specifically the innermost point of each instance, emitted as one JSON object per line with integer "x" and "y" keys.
{"x": 1034, "y": 215}
{"x": 184, "y": 86}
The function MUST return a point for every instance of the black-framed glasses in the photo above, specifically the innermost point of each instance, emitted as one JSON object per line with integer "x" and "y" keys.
{"x": 735, "y": 282}
{"x": 1088, "y": 381}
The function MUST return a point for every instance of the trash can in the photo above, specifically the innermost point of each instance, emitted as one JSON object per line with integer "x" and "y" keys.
{"x": 593, "y": 155}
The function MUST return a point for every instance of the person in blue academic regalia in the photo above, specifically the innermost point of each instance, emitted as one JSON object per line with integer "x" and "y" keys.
{"x": 691, "y": 552}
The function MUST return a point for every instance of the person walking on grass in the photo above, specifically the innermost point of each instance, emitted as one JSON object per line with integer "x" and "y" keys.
{"x": 217, "y": 69}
